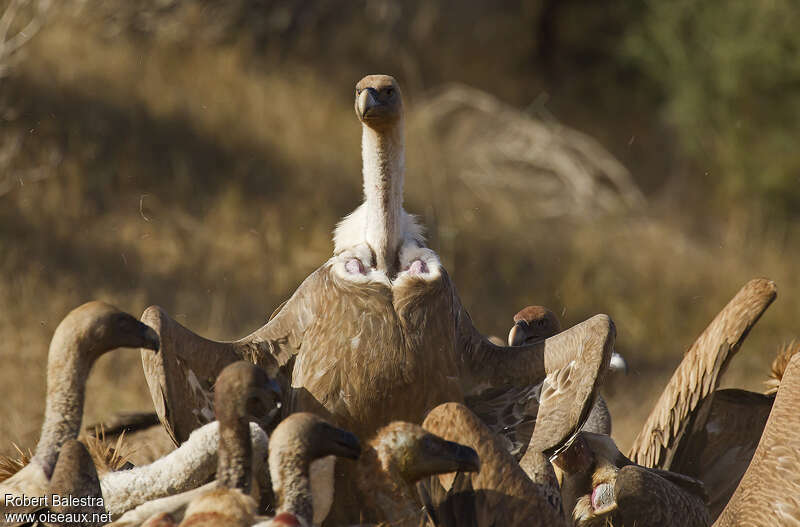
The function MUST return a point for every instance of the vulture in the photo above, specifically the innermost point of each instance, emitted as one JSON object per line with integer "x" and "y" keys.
{"x": 396, "y": 459}
{"x": 378, "y": 332}
{"x": 243, "y": 393}
{"x": 511, "y": 412}
{"x": 609, "y": 489}
{"x": 661, "y": 438}
{"x": 85, "y": 334}
{"x": 501, "y": 492}
{"x": 769, "y": 492}
{"x": 75, "y": 476}
{"x": 697, "y": 430}
{"x": 722, "y": 439}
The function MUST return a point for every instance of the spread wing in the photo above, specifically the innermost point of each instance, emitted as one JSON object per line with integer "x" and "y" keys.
{"x": 698, "y": 374}
{"x": 570, "y": 365}
{"x": 182, "y": 373}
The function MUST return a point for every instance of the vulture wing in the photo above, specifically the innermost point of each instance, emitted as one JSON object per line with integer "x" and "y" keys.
{"x": 570, "y": 365}
{"x": 181, "y": 375}
{"x": 698, "y": 375}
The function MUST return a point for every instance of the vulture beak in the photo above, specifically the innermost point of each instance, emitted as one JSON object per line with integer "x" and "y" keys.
{"x": 342, "y": 443}
{"x": 439, "y": 456}
{"x": 618, "y": 363}
{"x": 150, "y": 338}
{"x": 517, "y": 336}
{"x": 367, "y": 100}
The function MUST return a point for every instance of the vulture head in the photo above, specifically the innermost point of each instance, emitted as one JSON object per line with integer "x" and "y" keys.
{"x": 379, "y": 103}
{"x": 531, "y": 324}
{"x": 244, "y": 392}
{"x": 413, "y": 453}
{"x": 97, "y": 327}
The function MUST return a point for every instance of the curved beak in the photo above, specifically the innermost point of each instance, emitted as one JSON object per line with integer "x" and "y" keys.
{"x": 517, "y": 335}
{"x": 343, "y": 443}
{"x": 367, "y": 100}
{"x": 440, "y": 456}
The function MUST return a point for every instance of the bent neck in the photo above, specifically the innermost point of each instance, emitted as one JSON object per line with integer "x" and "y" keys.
{"x": 67, "y": 370}
{"x": 384, "y": 166}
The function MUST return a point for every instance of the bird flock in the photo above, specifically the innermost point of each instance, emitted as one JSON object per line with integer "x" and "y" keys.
{"x": 370, "y": 398}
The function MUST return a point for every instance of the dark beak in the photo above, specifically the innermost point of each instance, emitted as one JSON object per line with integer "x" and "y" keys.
{"x": 517, "y": 335}
{"x": 343, "y": 443}
{"x": 367, "y": 100}
{"x": 150, "y": 338}
{"x": 450, "y": 456}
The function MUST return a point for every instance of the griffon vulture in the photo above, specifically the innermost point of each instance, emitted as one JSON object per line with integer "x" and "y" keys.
{"x": 378, "y": 332}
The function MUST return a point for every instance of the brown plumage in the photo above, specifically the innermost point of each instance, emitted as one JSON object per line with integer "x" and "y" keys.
{"x": 608, "y": 488}
{"x": 511, "y": 411}
{"x": 85, "y": 334}
{"x": 377, "y": 333}
{"x": 769, "y": 492}
{"x": 297, "y": 441}
{"x": 397, "y": 457}
{"x": 698, "y": 375}
{"x": 499, "y": 494}
{"x": 74, "y": 476}
{"x": 241, "y": 395}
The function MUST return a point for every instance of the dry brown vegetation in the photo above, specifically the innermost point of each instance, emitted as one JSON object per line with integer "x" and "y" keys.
{"x": 164, "y": 164}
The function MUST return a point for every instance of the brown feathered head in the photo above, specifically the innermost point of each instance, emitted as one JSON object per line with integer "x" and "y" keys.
{"x": 379, "y": 103}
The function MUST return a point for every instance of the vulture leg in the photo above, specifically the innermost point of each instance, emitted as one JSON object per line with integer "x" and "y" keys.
{"x": 182, "y": 375}
{"x": 698, "y": 375}
{"x": 769, "y": 492}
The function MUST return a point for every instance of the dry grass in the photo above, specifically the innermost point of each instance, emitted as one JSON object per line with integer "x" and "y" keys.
{"x": 195, "y": 178}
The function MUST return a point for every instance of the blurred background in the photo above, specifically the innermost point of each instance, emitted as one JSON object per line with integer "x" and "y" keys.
{"x": 635, "y": 158}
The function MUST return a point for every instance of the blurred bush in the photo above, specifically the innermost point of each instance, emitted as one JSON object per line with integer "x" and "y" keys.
{"x": 729, "y": 80}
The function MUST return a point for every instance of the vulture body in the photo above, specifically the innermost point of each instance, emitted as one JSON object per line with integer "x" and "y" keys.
{"x": 378, "y": 332}
{"x": 85, "y": 334}
{"x": 501, "y": 493}
{"x": 769, "y": 492}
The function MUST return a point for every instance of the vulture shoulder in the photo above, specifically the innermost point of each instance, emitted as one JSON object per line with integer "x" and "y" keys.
{"x": 698, "y": 374}
{"x": 181, "y": 376}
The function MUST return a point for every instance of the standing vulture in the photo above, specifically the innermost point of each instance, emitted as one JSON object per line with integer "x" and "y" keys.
{"x": 378, "y": 332}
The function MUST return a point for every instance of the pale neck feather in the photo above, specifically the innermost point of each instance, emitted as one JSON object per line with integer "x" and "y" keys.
{"x": 384, "y": 166}
{"x": 289, "y": 471}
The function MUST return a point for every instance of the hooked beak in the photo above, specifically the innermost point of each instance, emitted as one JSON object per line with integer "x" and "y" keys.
{"x": 517, "y": 335}
{"x": 344, "y": 443}
{"x": 449, "y": 456}
{"x": 367, "y": 100}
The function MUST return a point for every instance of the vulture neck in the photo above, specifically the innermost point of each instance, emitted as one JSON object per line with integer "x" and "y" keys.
{"x": 384, "y": 166}
{"x": 68, "y": 366}
{"x": 235, "y": 455}
{"x": 291, "y": 482}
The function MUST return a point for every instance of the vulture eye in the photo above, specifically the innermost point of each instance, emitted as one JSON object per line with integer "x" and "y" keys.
{"x": 389, "y": 91}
